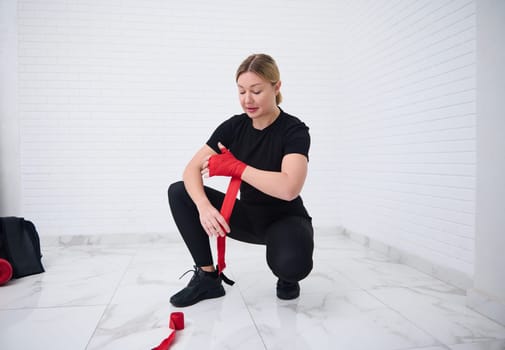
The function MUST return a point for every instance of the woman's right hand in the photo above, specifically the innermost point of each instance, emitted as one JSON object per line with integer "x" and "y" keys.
{"x": 211, "y": 220}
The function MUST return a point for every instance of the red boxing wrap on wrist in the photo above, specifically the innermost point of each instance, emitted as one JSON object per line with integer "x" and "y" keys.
{"x": 225, "y": 164}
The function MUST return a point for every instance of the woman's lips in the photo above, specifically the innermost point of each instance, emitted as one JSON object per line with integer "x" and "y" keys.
{"x": 251, "y": 109}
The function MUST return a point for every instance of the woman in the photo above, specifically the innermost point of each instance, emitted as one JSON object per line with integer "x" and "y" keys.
{"x": 268, "y": 149}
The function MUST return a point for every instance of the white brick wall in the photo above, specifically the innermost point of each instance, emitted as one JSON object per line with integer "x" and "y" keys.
{"x": 406, "y": 128}
{"x": 115, "y": 96}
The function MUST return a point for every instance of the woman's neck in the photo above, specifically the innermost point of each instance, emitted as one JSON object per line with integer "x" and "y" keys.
{"x": 267, "y": 120}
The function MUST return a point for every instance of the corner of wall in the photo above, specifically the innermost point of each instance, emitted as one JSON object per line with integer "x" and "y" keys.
{"x": 488, "y": 291}
{"x": 10, "y": 159}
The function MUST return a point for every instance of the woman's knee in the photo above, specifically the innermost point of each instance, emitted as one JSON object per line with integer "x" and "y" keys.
{"x": 290, "y": 246}
{"x": 178, "y": 197}
{"x": 176, "y": 189}
{"x": 291, "y": 269}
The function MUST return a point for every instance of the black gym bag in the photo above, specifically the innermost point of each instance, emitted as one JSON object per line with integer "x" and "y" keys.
{"x": 20, "y": 246}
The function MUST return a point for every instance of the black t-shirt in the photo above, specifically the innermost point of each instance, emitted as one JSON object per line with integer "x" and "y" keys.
{"x": 264, "y": 149}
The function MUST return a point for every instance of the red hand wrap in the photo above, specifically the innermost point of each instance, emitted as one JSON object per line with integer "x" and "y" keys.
{"x": 225, "y": 164}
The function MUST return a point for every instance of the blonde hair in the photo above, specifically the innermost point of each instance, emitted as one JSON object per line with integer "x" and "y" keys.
{"x": 264, "y": 66}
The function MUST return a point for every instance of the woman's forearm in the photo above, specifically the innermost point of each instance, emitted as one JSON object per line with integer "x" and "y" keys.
{"x": 192, "y": 176}
{"x": 194, "y": 185}
{"x": 286, "y": 184}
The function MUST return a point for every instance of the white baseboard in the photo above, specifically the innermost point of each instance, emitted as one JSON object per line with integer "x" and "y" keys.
{"x": 108, "y": 239}
{"x": 443, "y": 273}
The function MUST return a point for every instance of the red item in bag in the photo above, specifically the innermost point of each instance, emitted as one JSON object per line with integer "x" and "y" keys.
{"x": 5, "y": 271}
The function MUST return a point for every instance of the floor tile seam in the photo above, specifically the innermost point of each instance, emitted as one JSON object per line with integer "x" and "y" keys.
{"x": 252, "y": 318}
{"x": 107, "y": 306}
{"x": 445, "y": 347}
{"x": 485, "y": 345}
{"x": 406, "y": 318}
{"x": 53, "y": 307}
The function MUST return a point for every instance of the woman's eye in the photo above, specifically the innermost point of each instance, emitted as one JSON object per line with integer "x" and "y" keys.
{"x": 254, "y": 92}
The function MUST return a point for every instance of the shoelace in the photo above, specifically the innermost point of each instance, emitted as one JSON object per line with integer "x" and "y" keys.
{"x": 195, "y": 273}
{"x": 194, "y": 270}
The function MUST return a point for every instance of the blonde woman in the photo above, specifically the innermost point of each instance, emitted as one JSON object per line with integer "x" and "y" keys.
{"x": 268, "y": 149}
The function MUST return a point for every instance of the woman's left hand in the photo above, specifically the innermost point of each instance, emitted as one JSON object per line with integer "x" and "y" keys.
{"x": 224, "y": 164}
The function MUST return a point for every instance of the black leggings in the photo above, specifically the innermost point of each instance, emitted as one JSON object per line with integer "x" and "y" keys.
{"x": 289, "y": 240}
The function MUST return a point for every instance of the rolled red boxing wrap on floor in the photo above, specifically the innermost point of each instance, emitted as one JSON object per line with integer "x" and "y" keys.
{"x": 175, "y": 322}
{"x": 5, "y": 271}
{"x": 226, "y": 209}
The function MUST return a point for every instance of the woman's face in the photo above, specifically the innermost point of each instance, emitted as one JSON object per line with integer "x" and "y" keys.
{"x": 257, "y": 96}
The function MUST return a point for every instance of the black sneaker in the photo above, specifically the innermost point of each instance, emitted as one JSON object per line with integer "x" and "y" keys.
{"x": 287, "y": 290}
{"x": 203, "y": 285}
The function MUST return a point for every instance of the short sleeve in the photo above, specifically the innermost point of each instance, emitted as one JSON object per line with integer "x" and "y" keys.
{"x": 297, "y": 140}
{"x": 223, "y": 134}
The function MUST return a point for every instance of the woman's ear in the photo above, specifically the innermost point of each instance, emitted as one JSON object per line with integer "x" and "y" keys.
{"x": 277, "y": 87}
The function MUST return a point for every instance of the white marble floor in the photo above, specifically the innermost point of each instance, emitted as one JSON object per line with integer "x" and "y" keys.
{"x": 111, "y": 296}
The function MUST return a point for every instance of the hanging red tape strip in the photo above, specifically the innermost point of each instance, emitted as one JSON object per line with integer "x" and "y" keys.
{"x": 226, "y": 209}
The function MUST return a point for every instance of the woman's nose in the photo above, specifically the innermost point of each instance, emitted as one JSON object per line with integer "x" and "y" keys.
{"x": 248, "y": 97}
